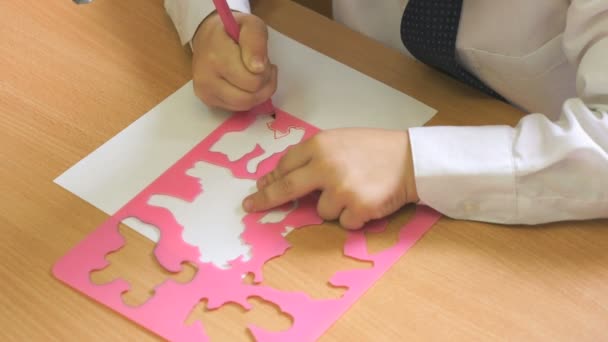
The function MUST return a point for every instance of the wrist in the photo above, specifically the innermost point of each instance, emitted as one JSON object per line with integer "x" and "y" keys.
{"x": 410, "y": 176}
{"x": 200, "y": 28}
{"x": 210, "y": 20}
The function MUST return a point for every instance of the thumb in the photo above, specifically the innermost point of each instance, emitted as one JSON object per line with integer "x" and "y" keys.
{"x": 253, "y": 41}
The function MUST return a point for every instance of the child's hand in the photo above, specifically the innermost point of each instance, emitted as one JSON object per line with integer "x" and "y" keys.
{"x": 363, "y": 174}
{"x": 230, "y": 76}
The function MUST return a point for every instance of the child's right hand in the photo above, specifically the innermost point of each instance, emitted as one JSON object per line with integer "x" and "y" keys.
{"x": 233, "y": 76}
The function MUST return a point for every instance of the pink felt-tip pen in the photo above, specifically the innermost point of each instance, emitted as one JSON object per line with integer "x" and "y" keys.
{"x": 233, "y": 30}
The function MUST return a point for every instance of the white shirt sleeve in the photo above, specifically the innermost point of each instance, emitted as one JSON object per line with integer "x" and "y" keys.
{"x": 541, "y": 170}
{"x": 188, "y": 14}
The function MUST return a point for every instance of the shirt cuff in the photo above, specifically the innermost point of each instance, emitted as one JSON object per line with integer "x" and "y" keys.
{"x": 187, "y": 15}
{"x": 466, "y": 172}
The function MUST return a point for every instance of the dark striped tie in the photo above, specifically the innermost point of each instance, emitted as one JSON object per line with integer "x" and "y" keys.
{"x": 429, "y": 29}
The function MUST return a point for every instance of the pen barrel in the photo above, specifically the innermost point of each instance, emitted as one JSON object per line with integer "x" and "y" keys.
{"x": 230, "y": 24}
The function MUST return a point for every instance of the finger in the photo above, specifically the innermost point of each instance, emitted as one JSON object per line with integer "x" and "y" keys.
{"x": 254, "y": 43}
{"x": 328, "y": 207}
{"x": 234, "y": 97}
{"x": 204, "y": 93}
{"x": 351, "y": 219}
{"x": 292, "y": 186}
{"x": 234, "y": 71}
{"x": 297, "y": 156}
{"x": 227, "y": 106}
{"x": 229, "y": 97}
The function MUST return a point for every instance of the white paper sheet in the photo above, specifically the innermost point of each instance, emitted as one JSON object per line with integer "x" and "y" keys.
{"x": 312, "y": 86}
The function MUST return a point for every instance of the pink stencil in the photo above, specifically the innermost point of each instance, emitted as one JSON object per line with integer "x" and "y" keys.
{"x": 219, "y": 279}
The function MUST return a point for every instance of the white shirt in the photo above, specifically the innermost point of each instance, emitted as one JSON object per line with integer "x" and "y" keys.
{"x": 548, "y": 57}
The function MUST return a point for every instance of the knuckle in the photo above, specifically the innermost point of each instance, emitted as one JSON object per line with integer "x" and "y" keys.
{"x": 266, "y": 179}
{"x": 325, "y": 216}
{"x": 286, "y": 186}
{"x": 325, "y": 212}
{"x": 344, "y": 192}
{"x": 271, "y": 177}
{"x": 349, "y": 223}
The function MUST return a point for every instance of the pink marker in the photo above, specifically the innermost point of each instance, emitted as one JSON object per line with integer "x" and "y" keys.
{"x": 233, "y": 30}
{"x": 230, "y": 24}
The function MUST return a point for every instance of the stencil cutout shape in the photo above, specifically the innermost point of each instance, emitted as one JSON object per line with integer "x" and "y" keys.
{"x": 315, "y": 254}
{"x": 171, "y": 202}
{"x": 139, "y": 252}
{"x": 213, "y": 220}
{"x": 235, "y": 145}
{"x": 262, "y": 313}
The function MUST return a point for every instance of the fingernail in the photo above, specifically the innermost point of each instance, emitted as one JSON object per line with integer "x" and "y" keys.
{"x": 248, "y": 205}
{"x": 257, "y": 64}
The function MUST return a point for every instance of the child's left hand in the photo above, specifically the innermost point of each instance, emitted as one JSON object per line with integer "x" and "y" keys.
{"x": 363, "y": 174}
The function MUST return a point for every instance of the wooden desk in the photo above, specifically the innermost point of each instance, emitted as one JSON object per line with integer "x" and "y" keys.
{"x": 72, "y": 77}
